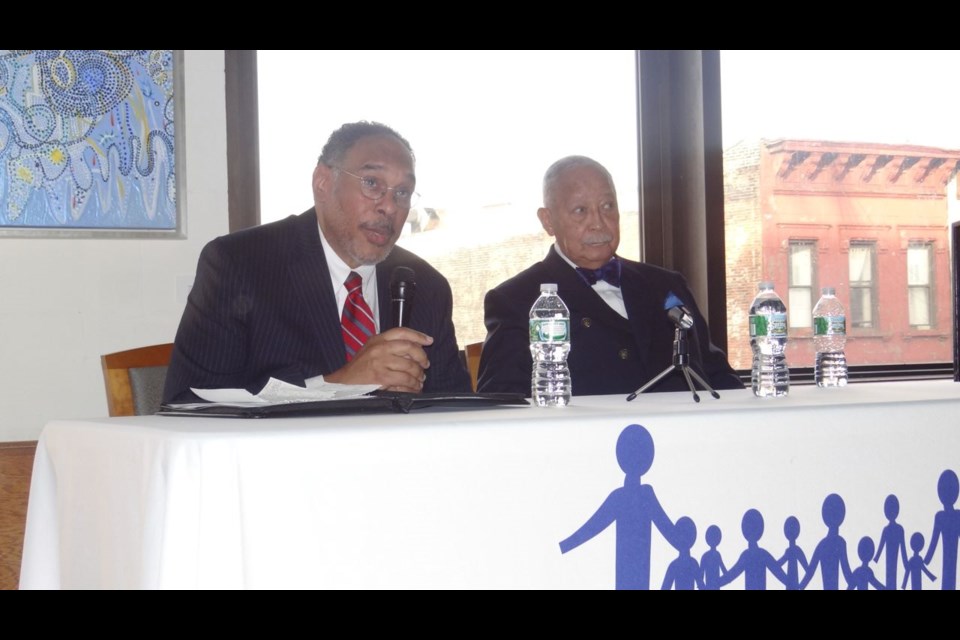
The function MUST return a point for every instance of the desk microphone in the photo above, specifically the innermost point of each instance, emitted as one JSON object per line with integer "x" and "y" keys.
{"x": 682, "y": 320}
{"x": 677, "y": 312}
{"x": 402, "y": 287}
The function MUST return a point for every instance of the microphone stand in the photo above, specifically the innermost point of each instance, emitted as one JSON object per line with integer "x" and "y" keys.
{"x": 681, "y": 361}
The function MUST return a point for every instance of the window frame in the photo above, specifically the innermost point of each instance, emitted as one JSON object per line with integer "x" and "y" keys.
{"x": 930, "y": 286}
{"x": 679, "y": 134}
{"x": 812, "y": 288}
{"x": 873, "y": 288}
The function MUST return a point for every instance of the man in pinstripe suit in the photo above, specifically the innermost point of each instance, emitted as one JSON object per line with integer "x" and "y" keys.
{"x": 267, "y": 301}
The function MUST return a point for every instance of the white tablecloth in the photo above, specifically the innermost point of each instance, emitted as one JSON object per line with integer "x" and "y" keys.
{"x": 471, "y": 499}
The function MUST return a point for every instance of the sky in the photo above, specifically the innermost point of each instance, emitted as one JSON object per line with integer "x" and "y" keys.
{"x": 484, "y": 125}
{"x": 895, "y": 97}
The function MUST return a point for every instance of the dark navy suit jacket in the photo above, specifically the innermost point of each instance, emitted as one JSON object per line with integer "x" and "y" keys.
{"x": 608, "y": 353}
{"x": 262, "y": 305}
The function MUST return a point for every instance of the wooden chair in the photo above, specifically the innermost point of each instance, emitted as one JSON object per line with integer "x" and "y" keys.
{"x": 473, "y": 361}
{"x": 134, "y": 379}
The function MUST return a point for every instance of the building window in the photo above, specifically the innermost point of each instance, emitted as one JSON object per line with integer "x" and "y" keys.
{"x": 803, "y": 261}
{"x": 863, "y": 285}
{"x": 920, "y": 294}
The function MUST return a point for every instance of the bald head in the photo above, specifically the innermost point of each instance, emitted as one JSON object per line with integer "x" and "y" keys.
{"x": 580, "y": 210}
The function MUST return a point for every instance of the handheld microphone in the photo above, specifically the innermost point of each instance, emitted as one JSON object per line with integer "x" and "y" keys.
{"x": 402, "y": 287}
{"x": 677, "y": 312}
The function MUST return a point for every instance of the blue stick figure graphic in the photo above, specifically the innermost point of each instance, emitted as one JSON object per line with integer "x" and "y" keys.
{"x": 893, "y": 539}
{"x": 863, "y": 577}
{"x": 711, "y": 563}
{"x": 684, "y": 572}
{"x": 793, "y": 557}
{"x": 755, "y": 561}
{"x": 946, "y": 525}
{"x": 635, "y": 509}
{"x": 831, "y": 552}
{"x": 914, "y": 568}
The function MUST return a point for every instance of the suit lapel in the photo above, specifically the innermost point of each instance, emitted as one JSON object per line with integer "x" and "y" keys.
{"x": 310, "y": 278}
{"x": 643, "y": 302}
{"x": 384, "y": 307}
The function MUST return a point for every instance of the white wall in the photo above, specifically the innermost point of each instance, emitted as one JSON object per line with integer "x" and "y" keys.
{"x": 64, "y": 302}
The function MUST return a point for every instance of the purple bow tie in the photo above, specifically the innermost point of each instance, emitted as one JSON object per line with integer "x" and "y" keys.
{"x": 609, "y": 272}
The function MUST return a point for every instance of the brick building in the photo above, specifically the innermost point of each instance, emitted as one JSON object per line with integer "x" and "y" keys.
{"x": 870, "y": 220}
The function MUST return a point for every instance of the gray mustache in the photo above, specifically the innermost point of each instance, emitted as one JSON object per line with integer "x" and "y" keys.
{"x": 597, "y": 239}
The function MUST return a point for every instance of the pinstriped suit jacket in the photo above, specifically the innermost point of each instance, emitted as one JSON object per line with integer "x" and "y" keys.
{"x": 262, "y": 306}
{"x": 608, "y": 353}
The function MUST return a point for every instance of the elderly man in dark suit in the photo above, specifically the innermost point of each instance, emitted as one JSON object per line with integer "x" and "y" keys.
{"x": 621, "y": 336}
{"x": 310, "y": 295}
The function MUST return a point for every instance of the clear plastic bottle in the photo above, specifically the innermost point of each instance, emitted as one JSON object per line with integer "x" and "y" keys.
{"x": 770, "y": 376}
{"x": 549, "y": 346}
{"x": 830, "y": 339}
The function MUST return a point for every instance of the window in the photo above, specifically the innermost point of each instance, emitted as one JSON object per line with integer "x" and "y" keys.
{"x": 862, "y": 258}
{"x": 825, "y": 148}
{"x": 803, "y": 254}
{"x": 782, "y": 170}
{"x": 920, "y": 285}
{"x": 483, "y": 132}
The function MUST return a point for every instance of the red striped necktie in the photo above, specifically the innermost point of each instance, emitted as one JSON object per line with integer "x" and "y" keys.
{"x": 357, "y": 322}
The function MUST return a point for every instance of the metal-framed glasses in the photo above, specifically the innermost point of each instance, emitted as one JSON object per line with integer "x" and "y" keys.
{"x": 374, "y": 188}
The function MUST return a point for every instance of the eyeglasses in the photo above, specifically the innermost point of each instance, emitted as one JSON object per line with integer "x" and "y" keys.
{"x": 374, "y": 188}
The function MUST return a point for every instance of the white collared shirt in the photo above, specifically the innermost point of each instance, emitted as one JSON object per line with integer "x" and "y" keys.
{"x": 610, "y": 294}
{"x": 339, "y": 270}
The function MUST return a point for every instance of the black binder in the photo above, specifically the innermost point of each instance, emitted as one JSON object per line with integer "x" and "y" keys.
{"x": 376, "y": 402}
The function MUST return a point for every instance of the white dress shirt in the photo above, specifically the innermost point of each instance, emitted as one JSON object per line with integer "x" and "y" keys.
{"x": 610, "y": 294}
{"x": 338, "y": 275}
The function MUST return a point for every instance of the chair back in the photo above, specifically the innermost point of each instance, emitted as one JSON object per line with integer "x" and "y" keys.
{"x": 134, "y": 379}
{"x": 472, "y": 351}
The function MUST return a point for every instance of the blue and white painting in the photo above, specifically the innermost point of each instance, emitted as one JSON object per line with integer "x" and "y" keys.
{"x": 87, "y": 139}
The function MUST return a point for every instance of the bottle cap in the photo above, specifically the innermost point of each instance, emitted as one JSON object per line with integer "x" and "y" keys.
{"x": 766, "y": 284}
{"x": 828, "y": 291}
{"x": 548, "y": 287}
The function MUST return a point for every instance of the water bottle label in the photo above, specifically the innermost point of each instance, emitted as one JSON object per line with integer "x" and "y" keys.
{"x": 773, "y": 325}
{"x": 549, "y": 330}
{"x": 830, "y": 326}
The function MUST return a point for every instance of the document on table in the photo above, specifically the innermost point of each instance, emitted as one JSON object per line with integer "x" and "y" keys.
{"x": 280, "y": 392}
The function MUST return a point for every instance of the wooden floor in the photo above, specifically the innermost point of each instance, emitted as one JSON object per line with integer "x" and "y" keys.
{"x": 16, "y": 465}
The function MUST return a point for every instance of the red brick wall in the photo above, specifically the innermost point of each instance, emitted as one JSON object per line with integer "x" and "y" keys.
{"x": 768, "y": 204}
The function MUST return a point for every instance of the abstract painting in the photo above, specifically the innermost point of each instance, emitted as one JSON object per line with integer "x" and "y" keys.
{"x": 87, "y": 142}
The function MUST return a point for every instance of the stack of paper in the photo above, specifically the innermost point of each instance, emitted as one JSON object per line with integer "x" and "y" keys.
{"x": 280, "y": 392}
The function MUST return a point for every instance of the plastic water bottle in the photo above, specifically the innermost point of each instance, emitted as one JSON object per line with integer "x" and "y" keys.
{"x": 829, "y": 338}
{"x": 770, "y": 376}
{"x": 549, "y": 346}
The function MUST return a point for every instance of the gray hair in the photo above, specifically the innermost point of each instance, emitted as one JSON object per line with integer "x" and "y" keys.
{"x": 346, "y": 136}
{"x": 561, "y": 166}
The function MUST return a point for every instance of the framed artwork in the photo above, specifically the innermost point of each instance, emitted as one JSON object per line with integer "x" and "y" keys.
{"x": 91, "y": 143}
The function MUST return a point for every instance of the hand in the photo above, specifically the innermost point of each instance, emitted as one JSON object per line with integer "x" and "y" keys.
{"x": 394, "y": 359}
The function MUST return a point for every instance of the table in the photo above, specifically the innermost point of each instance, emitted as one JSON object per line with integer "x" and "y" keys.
{"x": 479, "y": 498}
